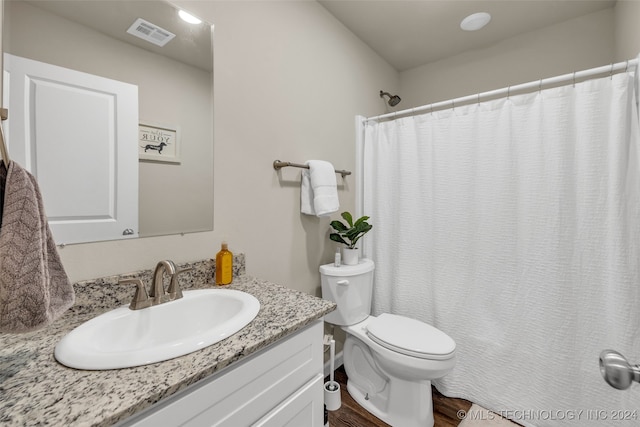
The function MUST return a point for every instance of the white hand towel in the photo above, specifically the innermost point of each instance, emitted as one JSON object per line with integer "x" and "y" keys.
{"x": 319, "y": 189}
{"x": 306, "y": 194}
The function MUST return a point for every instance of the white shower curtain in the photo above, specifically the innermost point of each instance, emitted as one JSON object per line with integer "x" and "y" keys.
{"x": 514, "y": 226}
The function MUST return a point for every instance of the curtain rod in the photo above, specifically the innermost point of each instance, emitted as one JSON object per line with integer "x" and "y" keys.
{"x": 537, "y": 84}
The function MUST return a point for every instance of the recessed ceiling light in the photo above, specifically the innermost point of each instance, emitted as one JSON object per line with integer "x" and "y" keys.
{"x": 475, "y": 21}
{"x": 189, "y": 17}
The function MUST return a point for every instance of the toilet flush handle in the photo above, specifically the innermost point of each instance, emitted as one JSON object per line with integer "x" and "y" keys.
{"x": 343, "y": 282}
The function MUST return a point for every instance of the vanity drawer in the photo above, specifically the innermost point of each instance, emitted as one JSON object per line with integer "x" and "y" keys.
{"x": 248, "y": 390}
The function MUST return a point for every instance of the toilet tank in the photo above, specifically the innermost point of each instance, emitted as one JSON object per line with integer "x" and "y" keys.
{"x": 350, "y": 287}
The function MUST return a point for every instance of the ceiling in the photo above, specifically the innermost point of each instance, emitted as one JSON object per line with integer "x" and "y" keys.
{"x": 192, "y": 44}
{"x": 406, "y": 33}
{"x": 412, "y": 33}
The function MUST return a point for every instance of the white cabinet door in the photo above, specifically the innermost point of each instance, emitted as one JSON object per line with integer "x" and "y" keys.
{"x": 77, "y": 134}
{"x": 303, "y": 408}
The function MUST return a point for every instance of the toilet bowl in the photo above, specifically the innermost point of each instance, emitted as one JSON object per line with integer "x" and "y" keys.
{"x": 389, "y": 359}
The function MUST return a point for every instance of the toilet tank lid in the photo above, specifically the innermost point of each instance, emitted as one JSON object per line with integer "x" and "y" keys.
{"x": 363, "y": 266}
{"x": 410, "y": 336}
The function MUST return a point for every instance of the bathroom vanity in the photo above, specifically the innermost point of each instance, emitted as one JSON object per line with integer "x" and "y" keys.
{"x": 280, "y": 386}
{"x": 270, "y": 373}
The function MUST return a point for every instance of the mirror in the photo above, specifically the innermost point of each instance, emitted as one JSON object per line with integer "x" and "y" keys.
{"x": 175, "y": 88}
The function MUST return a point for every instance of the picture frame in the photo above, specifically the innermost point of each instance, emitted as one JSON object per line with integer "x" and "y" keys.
{"x": 158, "y": 143}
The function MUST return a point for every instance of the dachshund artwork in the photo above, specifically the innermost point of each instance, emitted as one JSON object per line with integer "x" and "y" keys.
{"x": 158, "y": 147}
{"x": 158, "y": 144}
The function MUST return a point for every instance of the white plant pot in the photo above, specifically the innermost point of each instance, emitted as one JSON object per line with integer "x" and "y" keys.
{"x": 350, "y": 256}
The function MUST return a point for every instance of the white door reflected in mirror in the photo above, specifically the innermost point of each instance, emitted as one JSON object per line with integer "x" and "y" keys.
{"x": 175, "y": 91}
{"x": 65, "y": 124}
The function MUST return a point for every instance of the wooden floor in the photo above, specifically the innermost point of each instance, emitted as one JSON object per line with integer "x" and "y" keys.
{"x": 351, "y": 414}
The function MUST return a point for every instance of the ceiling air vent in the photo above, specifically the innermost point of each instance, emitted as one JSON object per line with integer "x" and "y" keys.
{"x": 150, "y": 32}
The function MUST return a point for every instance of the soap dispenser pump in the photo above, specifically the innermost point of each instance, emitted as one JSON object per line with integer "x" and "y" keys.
{"x": 224, "y": 265}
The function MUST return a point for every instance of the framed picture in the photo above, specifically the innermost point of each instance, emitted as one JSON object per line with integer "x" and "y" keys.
{"x": 159, "y": 143}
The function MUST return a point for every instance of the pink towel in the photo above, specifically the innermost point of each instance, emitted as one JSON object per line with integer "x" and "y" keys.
{"x": 34, "y": 288}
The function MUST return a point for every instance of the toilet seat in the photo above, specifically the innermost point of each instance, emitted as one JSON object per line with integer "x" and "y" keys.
{"x": 410, "y": 337}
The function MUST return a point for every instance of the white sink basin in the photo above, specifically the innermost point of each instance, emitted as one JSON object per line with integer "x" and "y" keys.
{"x": 123, "y": 338}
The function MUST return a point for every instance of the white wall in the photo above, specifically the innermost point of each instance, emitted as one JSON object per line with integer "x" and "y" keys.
{"x": 288, "y": 82}
{"x": 627, "y": 20}
{"x": 573, "y": 45}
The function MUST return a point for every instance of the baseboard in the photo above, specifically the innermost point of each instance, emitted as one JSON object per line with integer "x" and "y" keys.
{"x": 337, "y": 363}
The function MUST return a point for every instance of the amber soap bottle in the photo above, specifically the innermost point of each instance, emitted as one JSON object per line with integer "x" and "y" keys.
{"x": 224, "y": 266}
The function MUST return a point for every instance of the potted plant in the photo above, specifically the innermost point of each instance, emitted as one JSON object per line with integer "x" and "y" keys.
{"x": 349, "y": 234}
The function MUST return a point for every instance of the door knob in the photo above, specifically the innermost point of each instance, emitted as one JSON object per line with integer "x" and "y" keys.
{"x": 616, "y": 371}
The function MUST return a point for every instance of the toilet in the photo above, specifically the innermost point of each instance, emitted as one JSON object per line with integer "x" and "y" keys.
{"x": 390, "y": 360}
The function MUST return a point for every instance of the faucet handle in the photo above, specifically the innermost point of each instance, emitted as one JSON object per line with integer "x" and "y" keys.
{"x": 141, "y": 298}
{"x": 174, "y": 290}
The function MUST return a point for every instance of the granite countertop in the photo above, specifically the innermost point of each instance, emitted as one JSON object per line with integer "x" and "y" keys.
{"x": 37, "y": 390}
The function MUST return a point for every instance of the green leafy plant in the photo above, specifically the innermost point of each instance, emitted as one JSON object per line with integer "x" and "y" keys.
{"x": 351, "y": 232}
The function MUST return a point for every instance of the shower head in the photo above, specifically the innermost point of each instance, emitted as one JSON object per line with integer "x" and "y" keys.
{"x": 616, "y": 371}
{"x": 393, "y": 99}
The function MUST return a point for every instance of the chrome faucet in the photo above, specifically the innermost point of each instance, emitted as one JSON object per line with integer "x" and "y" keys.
{"x": 157, "y": 286}
{"x": 157, "y": 294}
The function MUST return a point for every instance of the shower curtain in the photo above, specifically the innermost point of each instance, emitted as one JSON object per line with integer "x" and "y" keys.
{"x": 513, "y": 225}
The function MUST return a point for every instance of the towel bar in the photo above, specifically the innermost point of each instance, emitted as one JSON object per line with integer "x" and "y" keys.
{"x": 277, "y": 165}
